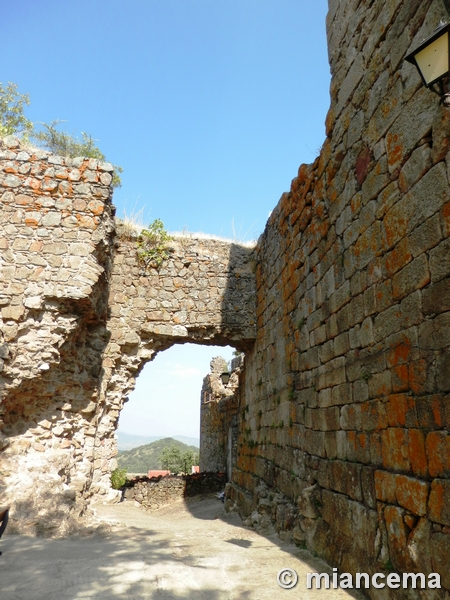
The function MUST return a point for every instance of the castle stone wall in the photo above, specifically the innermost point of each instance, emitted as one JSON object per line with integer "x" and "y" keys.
{"x": 347, "y": 386}
{"x": 342, "y": 310}
{"x": 219, "y": 417}
{"x": 80, "y": 316}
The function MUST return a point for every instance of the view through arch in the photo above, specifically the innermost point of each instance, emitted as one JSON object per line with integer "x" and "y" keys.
{"x": 166, "y": 402}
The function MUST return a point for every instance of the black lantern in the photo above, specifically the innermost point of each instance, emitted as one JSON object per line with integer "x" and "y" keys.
{"x": 432, "y": 59}
{"x": 225, "y": 377}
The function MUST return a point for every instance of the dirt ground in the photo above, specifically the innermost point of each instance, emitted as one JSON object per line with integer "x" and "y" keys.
{"x": 192, "y": 551}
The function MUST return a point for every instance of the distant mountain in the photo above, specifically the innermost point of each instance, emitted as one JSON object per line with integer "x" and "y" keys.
{"x": 127, "y": 441}
{"x": 147, "y": 457}
{"x": 190, "y": 441}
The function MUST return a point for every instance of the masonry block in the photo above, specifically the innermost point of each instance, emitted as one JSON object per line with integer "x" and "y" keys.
{"x": 345, "y": 478}
{"x": 373, "y": 416}
{"x": 314, "y": 443}
{"x": 368, "y": 486}
{"x": 436, "y": 298}
{"x": 351, "y": 417}
{"x": 385, "y": 487}
{"x": 438, "y": 453}
{"x": 401, "y": 411}
{"x": 417, "y": 452}
{"x": 398, "y": 258}
{"x": 443, "y": 372}
{"x": 439, "y": 262}
{"x": 412, "y": 494}
{"x": 360, "y": 390}
{"x": 427, "y": 236}
{"x": 445, "y": 219}
{"x": 412, "y": 277}
{"x": 380, "y": 384}
{"x": 397, "y": 533}
{"x": 394, "y": 447}
{"x": 331, "y": 450}
{"x": 434, "y": 334}
{"x": 341, "y": 394}
{"x": 415, "y": 167}
{"x": 440, "y": 556}
{"x": 430, "y": 411}
{"x": 439, "y": 502}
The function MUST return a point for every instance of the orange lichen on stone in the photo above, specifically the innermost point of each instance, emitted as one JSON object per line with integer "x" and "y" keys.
{"x": 394, "y": 448}
{"x": 397, "y": 533}
{"x": 445, "y": 219}
{"x": 362, "y": 165}
{"x": 412, "y": 494}
{"x": 398, "y": 407}
{"x": 416, "y": 452}
{"x": 385, "y": 486}
{"x": 85, "y": 221}
{"x": 400, "y": 378}
{"x": 439, "y": 502}
{"x": 398, "y": 258}
{"x": 33, "y": 183}
{"x": 394, "y": 149}
{"x": 438, "y": 452}
{"x": 36, "y": 246}
{"x": 400, "y": 354}
{"x": 418, "y": 371}
{"x": 395, "y": 225}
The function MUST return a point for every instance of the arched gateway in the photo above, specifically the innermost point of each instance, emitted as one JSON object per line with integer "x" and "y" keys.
{"x": 80, "y": 318}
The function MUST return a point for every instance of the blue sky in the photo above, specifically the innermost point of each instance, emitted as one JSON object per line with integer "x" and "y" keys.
{"x": 166, "y": 401}
{"x": 210, "y": 106}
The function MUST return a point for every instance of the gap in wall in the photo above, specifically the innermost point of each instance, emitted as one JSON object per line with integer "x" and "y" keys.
{"x": 166, "y": 399}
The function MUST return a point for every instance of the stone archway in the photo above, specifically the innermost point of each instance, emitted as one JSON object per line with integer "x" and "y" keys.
{"x": 79, "y": 319}
{"x": 204, "y": 293}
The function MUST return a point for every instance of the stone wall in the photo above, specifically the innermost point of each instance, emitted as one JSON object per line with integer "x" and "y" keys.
{"x": 219, "y": 417}
{"x": 56, "y": 239}
{"x": 345, "y": 396}
{"x": 159, "y": 491}
{"x": 204, "y": 293}
{"x": 345, "y": 444}
{"x": 80, "y": 317}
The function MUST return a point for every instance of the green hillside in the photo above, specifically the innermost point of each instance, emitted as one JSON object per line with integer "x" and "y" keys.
{"x": 147, "y": 457}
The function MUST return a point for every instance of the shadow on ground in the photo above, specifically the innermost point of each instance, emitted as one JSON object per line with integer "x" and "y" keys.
{"x": 197, "y": 552}
{"x": 200, "y": 509}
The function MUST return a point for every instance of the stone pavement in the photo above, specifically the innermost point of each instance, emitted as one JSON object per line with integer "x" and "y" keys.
{"x": 195, "y": 552}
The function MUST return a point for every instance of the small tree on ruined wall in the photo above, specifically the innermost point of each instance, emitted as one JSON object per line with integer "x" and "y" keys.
{"x": 176, "y": 461}
{"x": 152, "y": 242}
{"x": 12, "y": 119}
{"x": 14, "y": 122}
{"x": 66, "y": 144}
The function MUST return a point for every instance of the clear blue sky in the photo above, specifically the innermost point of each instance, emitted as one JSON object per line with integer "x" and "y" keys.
{"x": 210, "y": 106}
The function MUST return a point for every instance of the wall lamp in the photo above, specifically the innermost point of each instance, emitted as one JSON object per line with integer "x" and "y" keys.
{"x": 432, "y": 59}
{"x": 225, "y": 377}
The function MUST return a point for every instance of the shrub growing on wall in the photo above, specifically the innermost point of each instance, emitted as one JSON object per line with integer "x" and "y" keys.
{"x": 118, "y": 478}
{"x": 14, "y": 122}
{"x": 12, "y": 119}
{"x": 152, "y": 244}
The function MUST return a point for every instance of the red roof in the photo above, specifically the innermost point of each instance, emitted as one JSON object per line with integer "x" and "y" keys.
{"x": 158, "y": 473}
